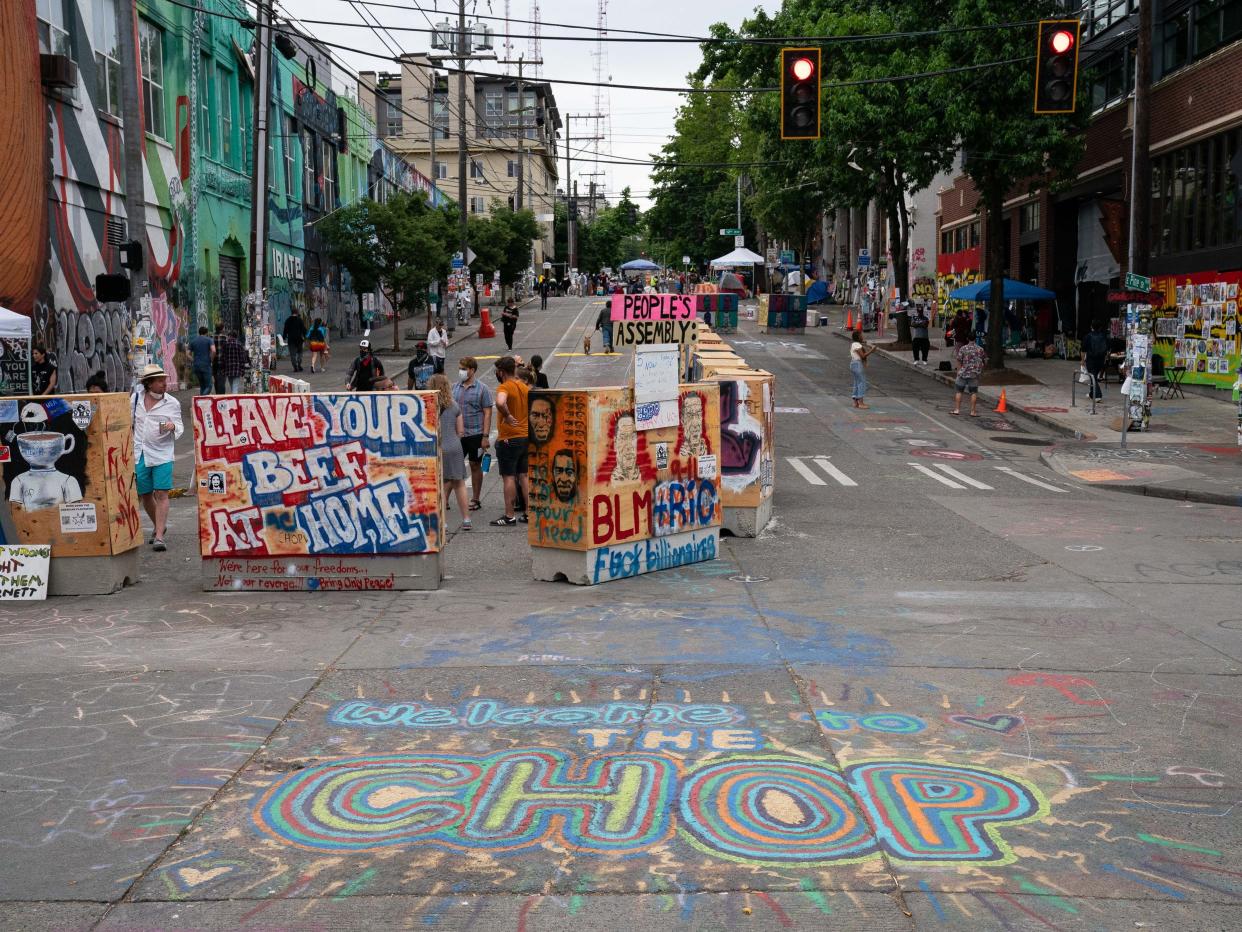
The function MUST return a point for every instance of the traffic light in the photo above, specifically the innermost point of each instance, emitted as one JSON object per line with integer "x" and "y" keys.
{"x": 800, "y": 90}
{"x": 1056, "y": 66}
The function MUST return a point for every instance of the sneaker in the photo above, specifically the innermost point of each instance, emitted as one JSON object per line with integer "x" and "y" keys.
{"x": 523, "y": 518}
{"x": 504, "y": 521}
{"x": 466, "y": 525}
{"x": 158, "y": 545}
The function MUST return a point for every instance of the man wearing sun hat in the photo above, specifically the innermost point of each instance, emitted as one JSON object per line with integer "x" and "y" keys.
{"x": 157, "y": 426}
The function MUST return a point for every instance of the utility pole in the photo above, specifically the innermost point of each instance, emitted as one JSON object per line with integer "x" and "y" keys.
{"x": 135, "y": 187}
{"x": 262, "y": 104}
{"x": 1140, "y": 153}
{"x": 431, "y": 124}
{"x": 521, "y": 133}
{"x": 570, "y": 204}
{"x": 570, "y": 185}
{"x": 461, "y": 119}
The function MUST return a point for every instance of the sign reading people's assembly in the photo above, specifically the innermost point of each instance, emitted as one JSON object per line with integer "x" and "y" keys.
{"x": 640, "y": 319}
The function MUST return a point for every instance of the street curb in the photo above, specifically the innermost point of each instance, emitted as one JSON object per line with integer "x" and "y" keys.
{"x": 1151, "y": 491}
{"x": 1014, "y": 407}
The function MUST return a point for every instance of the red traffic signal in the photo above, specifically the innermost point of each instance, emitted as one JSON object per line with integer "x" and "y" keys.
{"x": 800, "y": 93}
{"x": 1056, "y": 66}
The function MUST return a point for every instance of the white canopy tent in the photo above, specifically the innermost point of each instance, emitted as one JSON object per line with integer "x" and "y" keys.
{"x": 739, "y": 256}
{"x": 14, "y": 353}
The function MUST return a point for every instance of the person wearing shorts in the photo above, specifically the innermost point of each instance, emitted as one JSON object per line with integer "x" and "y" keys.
{"x": 474, "y": 400}
{"x": 157, "y": 425}
{"x": 970, "y": 362}
{"x": 513, "y": 431}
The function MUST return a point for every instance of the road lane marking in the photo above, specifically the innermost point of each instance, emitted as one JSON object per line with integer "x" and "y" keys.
{"x": 935, "y": 475}
{"x": 804, "y": 471}
{"x": 823, "y": 463}
{"x": 962, "y": 477}
{"x": 1029, "y": 479}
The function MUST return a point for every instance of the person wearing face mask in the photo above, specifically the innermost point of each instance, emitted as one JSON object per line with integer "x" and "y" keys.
{"x": 474, "y": 400}
{"x": 157, "y": 426}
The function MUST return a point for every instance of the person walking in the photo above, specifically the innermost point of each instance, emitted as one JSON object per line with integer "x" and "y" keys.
{"x": 365, "y": 370}
{"x": 971, "y": 359}
{"x": 1095, "y": 356}
{"x": 295, "y": 336}
{"x": 859, "y": 351}
{"x": 317, "y": 340}
{"x": 920, "y": 340}
{"x": 545, "y": 286}
{"x": 508, "y": 321}
{"x": 157, "y": 427}
{"x": 437, "y": 345}
{"x": 513, "y": 435}
{"x": 233, "y": 362}
{"x": 474, "y": 399}
{"x": 452, "y": 457}
{"x": 603, "y": 323}
{"x": 203, "y": 353}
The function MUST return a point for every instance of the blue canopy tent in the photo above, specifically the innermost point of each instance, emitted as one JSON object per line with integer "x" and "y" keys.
{"x": 640, "y": 265}
{"x": 1010, "y": 291}
{"x": 817, "y": 292}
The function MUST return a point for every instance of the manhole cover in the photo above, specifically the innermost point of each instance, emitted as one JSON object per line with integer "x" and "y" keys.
{"x": 1022, "y": 441}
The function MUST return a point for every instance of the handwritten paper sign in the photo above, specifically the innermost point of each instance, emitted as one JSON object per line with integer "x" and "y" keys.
{"x": 656, "y": 386}
{"x": 24, "y": 570}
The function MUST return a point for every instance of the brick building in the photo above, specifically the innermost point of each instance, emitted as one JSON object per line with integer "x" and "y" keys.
{"x": 1074, "y": 242}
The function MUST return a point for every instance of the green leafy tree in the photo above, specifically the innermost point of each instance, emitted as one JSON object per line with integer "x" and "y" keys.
{"x": 522, "y": 230}
{"x": 1005, "y": 145}
{"x": 489, "y": 240}
{"x": 614, "y": 236}
{"x": 347, "y": 234}
{"x": 406, "y": 239}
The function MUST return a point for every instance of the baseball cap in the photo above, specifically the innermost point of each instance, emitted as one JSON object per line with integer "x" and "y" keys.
{"x": 365, "y": 344}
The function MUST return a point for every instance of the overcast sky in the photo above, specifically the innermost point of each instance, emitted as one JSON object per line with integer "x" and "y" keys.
{"x": 640, "y": 120}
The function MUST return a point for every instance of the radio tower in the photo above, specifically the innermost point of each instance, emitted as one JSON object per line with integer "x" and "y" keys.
{"x": 533, "y": 48}
{"x": 603, "y": 124}
{"x": 508, "y": 46}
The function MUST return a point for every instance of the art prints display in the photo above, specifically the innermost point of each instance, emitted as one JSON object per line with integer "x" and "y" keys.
{"x": 317, "y": 474}
{"x": 69, "y": 473}
{"x": 1199, "y": 327}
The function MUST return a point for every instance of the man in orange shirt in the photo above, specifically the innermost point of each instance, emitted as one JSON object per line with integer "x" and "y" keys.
{"x": 513, "y": 430}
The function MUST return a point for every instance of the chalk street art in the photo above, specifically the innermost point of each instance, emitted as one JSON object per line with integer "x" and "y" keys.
{"x": 884, "y": 722}
{"x": 486, "y": 713}
{"x": 761, "y": 809}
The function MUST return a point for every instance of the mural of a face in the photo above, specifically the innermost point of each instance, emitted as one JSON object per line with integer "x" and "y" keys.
{"x": 626, "y": 444}
{"x": 692, "y": 427}
{"x": 542, "y": 419}
{"x": 564, "y": 476}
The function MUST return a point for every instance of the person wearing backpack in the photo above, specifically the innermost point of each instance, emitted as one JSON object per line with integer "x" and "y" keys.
{"x": 1095, "y": 356}
{"x": 365, "y": 369}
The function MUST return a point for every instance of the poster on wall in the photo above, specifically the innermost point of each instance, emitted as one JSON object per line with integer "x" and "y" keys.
{"x": 315, "y": 474}
{"x": 1199, "y": 327}
{"x": 69, "y": 473}
{"x": 14, "y": 366}
{"x": 24, "y": 571}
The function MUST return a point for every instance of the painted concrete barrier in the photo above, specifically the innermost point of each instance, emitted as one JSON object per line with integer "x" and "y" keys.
{"x": 609, "y": 501}
{"x": 319, "y": 491}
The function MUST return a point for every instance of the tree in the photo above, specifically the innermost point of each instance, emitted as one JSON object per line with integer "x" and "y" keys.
{"x": 1005, "y": 145}
{"x": 522, "y": 230}
{"x": 489, "y": 241}
{"x": 406, "y": 240}
{"x": 615, "y": 235}
{"x": 347, "y": 234}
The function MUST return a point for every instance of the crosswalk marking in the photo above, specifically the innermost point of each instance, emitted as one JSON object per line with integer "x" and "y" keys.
{"x": 823, "y": 463}
{"x": 804, "y": 471}
{"x": 943, "y": 480}
{"x": 1017, "y": 475}
{"x": 962, "y": 477}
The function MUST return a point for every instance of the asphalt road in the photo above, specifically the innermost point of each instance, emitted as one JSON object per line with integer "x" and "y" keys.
{"x": 945, "y": 689}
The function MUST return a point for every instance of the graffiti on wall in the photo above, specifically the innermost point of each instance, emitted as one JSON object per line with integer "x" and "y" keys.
{"x": 304, "y": 474}
{"x": 746, "y": 438}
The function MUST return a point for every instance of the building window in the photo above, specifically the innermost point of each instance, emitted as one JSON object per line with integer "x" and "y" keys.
{"x": 493, "y": 112}
{"x": 310, "y": 189}
{"x": 441, "y": 171}
{"x": 440, "y": 115}
{"x": 1217, "y": 22}
{"x": 393, "y": 115}
{"x": 225, "y": 105}
{"x": 476, "y": 168}
{"x": 1028, "y": 218}
{"x": 477, "y": 206}
{"x": 946, "y": 242}
{"x": 513, "y": 168}
{"x": 1107, "y": 13}
{"x": 206, "y": 143}
{"x": 1197, "y": 196}
{"x": 1174, "y": 38}
{"x": 974, "y": 233}
{"x": 151, "y": 51}
{"x": 53, "y": 32}
{"x": 290, "y": 134}
{"x": 329, "y": 175}
{"x": 107, "y": 56}
{"x": 1112, "y": 78}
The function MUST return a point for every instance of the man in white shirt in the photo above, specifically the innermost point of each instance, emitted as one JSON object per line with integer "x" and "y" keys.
{"x": 437, "y": 345}
{"x": 157, "y": 426}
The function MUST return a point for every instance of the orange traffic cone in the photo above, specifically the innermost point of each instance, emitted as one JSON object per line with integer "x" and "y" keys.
{"x": 1001, "y": 408}
{"x": 849, "y": 320}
